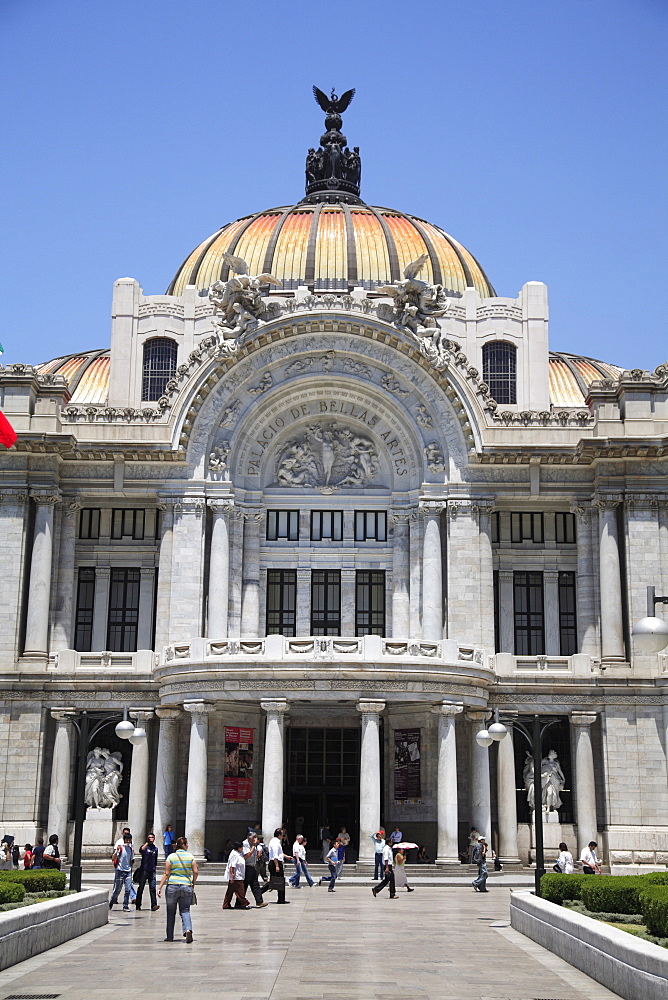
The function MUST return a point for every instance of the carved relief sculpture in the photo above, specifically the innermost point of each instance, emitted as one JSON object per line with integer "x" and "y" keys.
{"x": 218, "y": 458}
{"x": 417, "y": 306}
{"x": 327, "y": 455}
{"x": 434, "y": 456}
{"x": 104, "y": 771}
{"x": 239, "y": 302}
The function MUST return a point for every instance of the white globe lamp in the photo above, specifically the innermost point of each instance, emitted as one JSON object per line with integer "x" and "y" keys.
{"x": 650, "y": 635}
{"x": 483, "y": 738}
{"x": 497, "y": 731}
{"x": 125, "y": 729}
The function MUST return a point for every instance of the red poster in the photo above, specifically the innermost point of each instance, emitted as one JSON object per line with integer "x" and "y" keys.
{"x": 238, "y": 780}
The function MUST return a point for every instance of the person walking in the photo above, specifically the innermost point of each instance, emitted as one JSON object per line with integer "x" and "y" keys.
{"x": 168, "y": 840}
{"x": 480, "y": 859}
{"x": 474, "y": 837}
{"x": 6, "y": 863}
{"x": 250, "y": 850}
{"x": 27, "y": 856}
{"x": 388, "y": 874}
{"x": 340, "y": 859}
{"x": 180, "y": 874}
{"x": 122, "y": 857}
{"x": 564, "y": 862}
{"x": 301, "y": 868}
{"x": 332, "y": 861}
{"x": 275, "y": 867}
{"x": 38, "y": 853}
{"x": 590, "y": 864}
{"x": 379, "y": 845}
{"x": 400, "y": 877}
{"x": 147, "y": 871}
{"x": 236, "y": 874}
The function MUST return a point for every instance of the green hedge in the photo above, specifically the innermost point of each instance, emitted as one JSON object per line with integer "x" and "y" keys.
{"x": 613, "y": 893}
{"x": 11, "y": 892}
{"x": 42, "y": 880}
{"x": 653, "y": 902}
{"x": 556, "y": 888}
{"x": 656, "y": 878}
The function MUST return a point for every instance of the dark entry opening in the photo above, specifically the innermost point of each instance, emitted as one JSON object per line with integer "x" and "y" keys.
{"x": 323, "y": 784}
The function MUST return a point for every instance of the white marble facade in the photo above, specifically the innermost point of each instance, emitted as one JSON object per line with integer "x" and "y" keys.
{"x": 328, "y": 407}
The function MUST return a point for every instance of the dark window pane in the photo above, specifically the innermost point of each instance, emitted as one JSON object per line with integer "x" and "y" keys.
{"x": 326, "y": 602}
{"x": 281, "y": 601}
{"x": 564, "y": 528}
{"x": 529, "y": 614}
{"x": 160, "y": 356}
{"x": 370, "y": 602}
{"x": 499, "y": 370}
{"x": 568, "y": 642}
{"x": 370, "y": 525}
{"x": 526, "y": 527}
{"x": 83, "y": 630}
{"x": 282, "y": 524}
{"x": 123, "y": 610}
{"x": 89, "y": 523}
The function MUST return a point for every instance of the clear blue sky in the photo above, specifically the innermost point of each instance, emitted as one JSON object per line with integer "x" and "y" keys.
{"x": 533, "y": 132}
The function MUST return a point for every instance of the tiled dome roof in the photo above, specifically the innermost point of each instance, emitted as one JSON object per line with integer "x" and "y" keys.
{"x": 333, "y": 246}
{"x": 571, "y": 375}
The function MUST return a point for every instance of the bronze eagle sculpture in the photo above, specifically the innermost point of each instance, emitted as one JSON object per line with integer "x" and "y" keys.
{"x": 333, "y": 105}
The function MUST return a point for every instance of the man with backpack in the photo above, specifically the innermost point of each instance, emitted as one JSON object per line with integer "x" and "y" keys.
{"x": 122, "y": 858}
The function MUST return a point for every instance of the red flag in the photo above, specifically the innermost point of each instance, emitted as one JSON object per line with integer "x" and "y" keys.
{"x": 7, "y": 432}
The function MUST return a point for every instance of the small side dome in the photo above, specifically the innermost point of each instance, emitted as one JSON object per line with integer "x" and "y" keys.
{"x": 87, "y": 374}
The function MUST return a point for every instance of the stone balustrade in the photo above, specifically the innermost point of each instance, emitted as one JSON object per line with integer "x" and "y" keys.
{"x": 577, "y": 665}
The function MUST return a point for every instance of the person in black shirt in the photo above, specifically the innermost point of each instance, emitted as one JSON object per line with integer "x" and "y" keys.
{"x": 149, "y": 861}
{"x": 38, "y": 853}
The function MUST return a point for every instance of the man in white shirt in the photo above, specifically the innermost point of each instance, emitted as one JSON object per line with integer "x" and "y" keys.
{"x": 388, "y": 879}
{"x": 332, "y": 861}
{"x": 590, "y": 865}
{"x": 379, "y": 844}
{"x": 301, "y": 868}
{"x": 250, "y": 853}
{"x": 275, "y": 867}
{"x": 236, "y": 872}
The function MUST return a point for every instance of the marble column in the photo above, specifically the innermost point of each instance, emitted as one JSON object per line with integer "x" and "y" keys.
{"x": 197, "y": 775}
{"x": 586, "y": 581}
{"x": 101, "y": 607}
{"x": 485, "y": 509}
{"x": 506, "y": 793}
{"x": 164, "y": 588}
{"x": 551, "y": 599}
{"x": 369, "y": 776}
{"x": 400, "y": 574}
{"x": 39, "y": 589}
{"x": 219, "y": 568}
{"x": 612, "y": 631}
{"x": 138, "y": 794}
{"x": 303, "y": 603}
{"x": 250, "y": 593}
{"x": 165, "y": 771}
{"x": 480, "y": 802}
{"x": 447, "y": 814}
{"x": 62, "y": 635}
{"x": 61, "y": 773}
{"x": 432, "y": 572}
{"x": 146, "y": 598}
{"x": 506, "y": 611}
{"x": 585, "y": 788}
{"x": 272, "y": 785}
{"x": 348, "y": 601}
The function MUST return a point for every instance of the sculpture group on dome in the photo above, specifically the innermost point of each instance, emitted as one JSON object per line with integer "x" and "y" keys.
{"x": 417, "y": 305}
{"x": 239, "y": 301}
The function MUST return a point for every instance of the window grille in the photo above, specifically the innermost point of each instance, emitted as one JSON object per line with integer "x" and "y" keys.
{"x": 89, "y": 523}
{"x": 529, "y": 614}
{"x": 326, "y": 524}
{"x": 564, "y": 528}
{"x": 281, "y": 601}
{"x": 83, "y": 622}
{"x": 160, "y": 356}
{"x": 370, "y": 526}
{"x": 370, "y": 602}
{"x": 282, "y": 524}
{"x": 123, "y": 610}
{"x": 326, "y": 602}
{"x": 568, "y": 639}
{"x": 526, "y": 527}
{"x": 499, "y": 370}
{"x": 128, "y": 522}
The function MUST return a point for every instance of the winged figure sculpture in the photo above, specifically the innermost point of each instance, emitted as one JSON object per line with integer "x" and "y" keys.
{"x": 238, "y": 301}
{"x": 333, "y": 105}
{"x": 417, "y": 303}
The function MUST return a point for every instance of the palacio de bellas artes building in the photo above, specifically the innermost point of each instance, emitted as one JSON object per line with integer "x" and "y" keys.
{"x": 312, "y": 518}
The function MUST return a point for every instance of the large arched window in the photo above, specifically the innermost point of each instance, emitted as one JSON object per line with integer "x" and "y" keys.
{"x": 159, "y": 366}
{"x": 499, "y": 370}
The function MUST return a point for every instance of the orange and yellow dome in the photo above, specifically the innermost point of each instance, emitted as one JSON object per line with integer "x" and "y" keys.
{"x": 334, "y": 247}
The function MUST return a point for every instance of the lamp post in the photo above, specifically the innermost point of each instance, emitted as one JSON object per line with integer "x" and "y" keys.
{"x": 651, "y": 633}
{"x": 88, "y": 725}
{"x": 534, "y": 738}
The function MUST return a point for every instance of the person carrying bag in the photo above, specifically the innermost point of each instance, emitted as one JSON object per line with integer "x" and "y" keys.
{"x": 180, "y": 875}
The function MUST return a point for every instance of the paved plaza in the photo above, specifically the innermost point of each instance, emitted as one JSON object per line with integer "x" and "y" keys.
{"x": 434, "y": 944}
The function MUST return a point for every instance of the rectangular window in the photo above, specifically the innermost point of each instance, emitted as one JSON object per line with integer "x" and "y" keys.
{"x": 370, "y": 526}
{"x": 568, "y": 638}
{"x": 497, "y": 612}
{"x": 123, "y": 610}
{"x": 564, "y": 527}
{"x": 281, "y": 601}
{"x": 89, "y": 523}
{"x": 326, "y": 524}
{"x": 529, "y": 614}
{"x": 496, "y": 528}
{"x": 370, "y": 602}
{"x": 282, "y": 524}
{"x": 83, "y": 623}
{"x": 127, "y": 522}
{"x": 326, "y": 602}
{"x": 526, "y": 527}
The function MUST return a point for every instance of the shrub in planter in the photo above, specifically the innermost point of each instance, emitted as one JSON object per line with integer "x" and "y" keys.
{"x": 11, "y": 892}
{"x": 656, "y": 878}
{"x": 556, "y": 888}
{"x": 653, "y": 902}
{"x": 612, "y": 893}
{"x": 42, "y": 880}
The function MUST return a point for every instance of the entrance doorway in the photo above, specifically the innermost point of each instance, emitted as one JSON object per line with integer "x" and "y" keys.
{"x": 323, "y": 785}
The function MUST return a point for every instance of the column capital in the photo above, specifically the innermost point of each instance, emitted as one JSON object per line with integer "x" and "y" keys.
{"x": 642, "y": 501}
{"x": 14, "y": 496}
{"x": 582, "y": 508}
{"x": 431, "y": 508}
{"x": 62, "y": 714}
{"x": 221, "y": 505}
{"x": 199, "y": 707}
{"x": 583, "y": 718}
{"x": 141, "y": 714}
{"x": 189, "y": 505}
{"x": 275, "y": 705}
{"x": 403, "y": 515}
{"x": 251, "y": 514}
{"x": 448, "y": 708}
{"x": 370, "y": 707}
{"x": 45, "y": 497}
{"x": 170, "y": 714}
{"x": 71, "y": 506}
{"x": 607, "y": 501}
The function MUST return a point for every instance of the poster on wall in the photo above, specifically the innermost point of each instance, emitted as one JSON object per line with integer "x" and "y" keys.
{"x": 407, "y": 766}
{"x": 238, "y": 778}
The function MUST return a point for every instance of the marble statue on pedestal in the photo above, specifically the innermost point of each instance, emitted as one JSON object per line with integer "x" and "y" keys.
{"x": 104, "y": 771}
{"x": 552, "y": 782}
